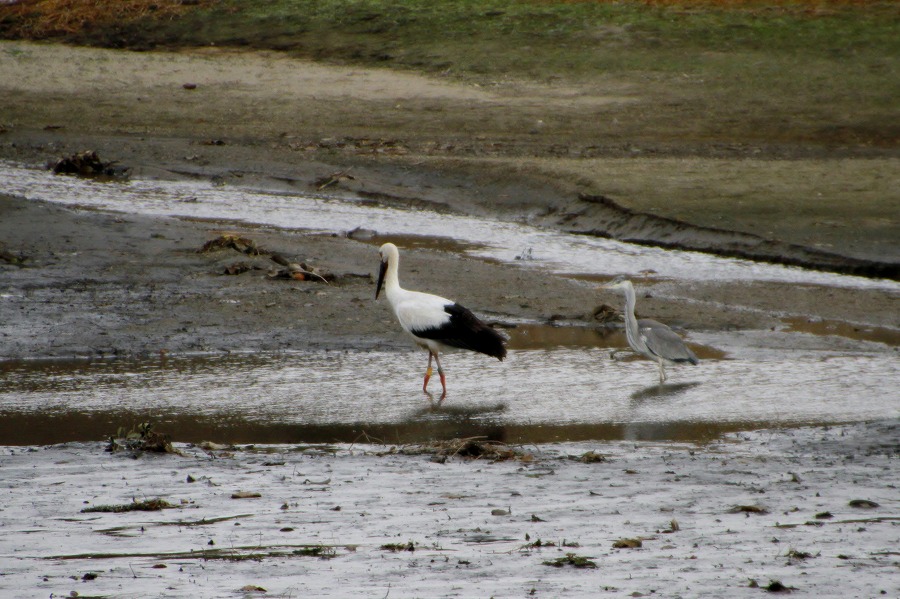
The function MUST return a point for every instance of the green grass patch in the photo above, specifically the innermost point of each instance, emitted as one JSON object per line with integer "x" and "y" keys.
{"x": 491, "y": 38}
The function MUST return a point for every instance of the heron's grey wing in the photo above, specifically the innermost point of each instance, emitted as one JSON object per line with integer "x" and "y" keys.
{"x": 664, "y": 342}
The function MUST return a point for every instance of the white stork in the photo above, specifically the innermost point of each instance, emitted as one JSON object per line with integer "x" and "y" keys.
{"x": 435, "y": 323}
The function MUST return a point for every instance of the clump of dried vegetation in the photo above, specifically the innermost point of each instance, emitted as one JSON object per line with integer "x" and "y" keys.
{"x": 148, "y": 505}
{"x": 139, "y": 439}
{"x": 571, "y": 559}
{"x": 38, "y": 19}
{"x": 474, "y": 448}
{"x": 86, "y": 164}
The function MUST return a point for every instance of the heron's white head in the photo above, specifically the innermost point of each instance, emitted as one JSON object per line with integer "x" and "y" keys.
{"x": 389, "y": 255}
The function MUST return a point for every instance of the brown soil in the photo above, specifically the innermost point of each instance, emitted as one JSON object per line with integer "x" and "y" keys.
{"x": 258, "y": 117}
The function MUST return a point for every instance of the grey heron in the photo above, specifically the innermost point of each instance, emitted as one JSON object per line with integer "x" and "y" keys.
{"x": 649, "y": 337}
{"x": 435, "y": 323}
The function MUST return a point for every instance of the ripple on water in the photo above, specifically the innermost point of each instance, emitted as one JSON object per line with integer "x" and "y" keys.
{"x": 536, "y": 395}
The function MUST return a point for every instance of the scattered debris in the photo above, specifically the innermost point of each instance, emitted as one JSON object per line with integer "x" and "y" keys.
{"x": 189, "y": 86}
{"x": 239, "y": 268}
{"x": 801, "y": 555}
{"x": 252, "y": 588}
{"x": 320, "y": 551}
{"x": 141, "y": 438}
{"x": 86, "y": 164}
{"x": 604, "y": 314}
{"x": 332, "y": 179}
{"x": 292, "y": 270}
{"x": 863, "y": 503}
{"x": 673, "y": 527}
{"x": 299, "y": 271}
{"x": 775, "y": 586}
{"x": 526, "y": 255}
{"x": 362, "y": 234}
{"x": 395, "y": 547}
{"x": 213, "y": 142}
{"x": 748, "y": 509}
{"x": 10, "y": 258}
{"x": 824, "y": 516}
{"x": 571, "y": 559}
{"x": 473, "y": 447}
{"x": 592, "y": 457}
{"x": 232, "y": 241}
{"x": 212, "y": 446}
{"x": 628, "y": 544}
{"x": 245, "y": 495}
{"x": 148, "y": 505}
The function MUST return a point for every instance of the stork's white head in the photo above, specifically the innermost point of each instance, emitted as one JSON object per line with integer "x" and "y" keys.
{"x": 619, "y": 283}
{"x": 389, "y": 255}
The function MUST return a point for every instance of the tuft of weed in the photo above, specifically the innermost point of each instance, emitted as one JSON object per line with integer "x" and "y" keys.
{"x": 140, "y": 438}
{"x": 571, "y": 559}
{"x": 148, "y": 505}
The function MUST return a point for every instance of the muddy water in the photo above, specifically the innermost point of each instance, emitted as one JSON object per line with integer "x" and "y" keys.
{"x": 559, "y": 383}
{"x": 555, "y": 385}
{"x": 504, "y": 241}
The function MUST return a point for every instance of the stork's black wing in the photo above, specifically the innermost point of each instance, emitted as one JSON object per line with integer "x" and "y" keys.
{"x": 465, "y": 331}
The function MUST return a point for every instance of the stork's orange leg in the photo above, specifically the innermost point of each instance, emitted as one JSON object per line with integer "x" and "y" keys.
{"x": 441, "y": 374}
{"x": 428, "y": 373}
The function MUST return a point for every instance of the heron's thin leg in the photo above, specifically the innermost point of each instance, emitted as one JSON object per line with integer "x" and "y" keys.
{"x": 428, "y": 373}
{"x": 662, "y": 373}
{"x": 441, "y": 374}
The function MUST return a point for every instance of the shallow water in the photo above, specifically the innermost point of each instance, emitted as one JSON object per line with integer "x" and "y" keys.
{"x": 558, "y": 384}
{"x": 567, "y": 393}
{"x": 485, "y": 238}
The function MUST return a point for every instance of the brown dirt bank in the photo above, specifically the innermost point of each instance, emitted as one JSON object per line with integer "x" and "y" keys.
{"x": 518, "y": 150}
{"x": 117, "y": 285}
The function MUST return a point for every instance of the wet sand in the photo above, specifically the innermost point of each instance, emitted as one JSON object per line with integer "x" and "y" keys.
{"x": 751, "y": 513}
{"x": 103, "y": 285}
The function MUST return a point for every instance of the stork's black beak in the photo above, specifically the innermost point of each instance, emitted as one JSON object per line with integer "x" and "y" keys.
{"x": 381, "y": 272}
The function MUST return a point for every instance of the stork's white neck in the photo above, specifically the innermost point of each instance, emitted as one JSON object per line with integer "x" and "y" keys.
{"x": 391, "y": 277}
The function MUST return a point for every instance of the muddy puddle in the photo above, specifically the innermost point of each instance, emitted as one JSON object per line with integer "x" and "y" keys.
{"x": 558, "y": 384}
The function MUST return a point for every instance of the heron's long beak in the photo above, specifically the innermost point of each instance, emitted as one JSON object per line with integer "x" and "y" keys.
{"x": 381, "y": 272}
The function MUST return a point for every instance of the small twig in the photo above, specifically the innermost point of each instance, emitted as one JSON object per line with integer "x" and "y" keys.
{"x": 333, "y": 178}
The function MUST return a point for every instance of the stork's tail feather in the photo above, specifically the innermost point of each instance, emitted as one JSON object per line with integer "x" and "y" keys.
{"x": 492, "y": 343}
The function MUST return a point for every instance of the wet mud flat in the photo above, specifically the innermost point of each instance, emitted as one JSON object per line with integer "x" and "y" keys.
{"x": 810, "y": 511}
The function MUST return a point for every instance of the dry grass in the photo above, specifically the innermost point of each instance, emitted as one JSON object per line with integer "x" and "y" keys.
{"x": 37, "y": 19}
{"x": 473, "y": 448}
